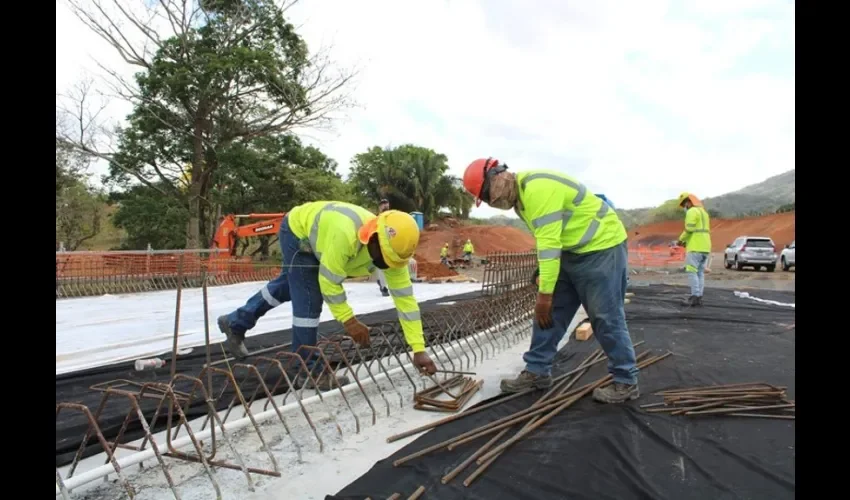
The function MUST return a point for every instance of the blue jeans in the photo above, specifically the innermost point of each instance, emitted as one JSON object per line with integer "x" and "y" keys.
{"x": 596, "y": 280}
{"x": 695, "y": 266}
{"x": 298, "y": 283}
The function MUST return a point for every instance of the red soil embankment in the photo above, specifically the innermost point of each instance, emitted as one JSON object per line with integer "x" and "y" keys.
{"x": 485, "y": 239}
{"x": 779, "y": 227}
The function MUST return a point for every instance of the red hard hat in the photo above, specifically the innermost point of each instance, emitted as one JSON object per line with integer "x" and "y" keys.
{"x": 476, "y": 177}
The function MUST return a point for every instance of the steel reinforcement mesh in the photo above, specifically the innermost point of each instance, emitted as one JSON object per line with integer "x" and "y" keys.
{"x": 469, "y": 331}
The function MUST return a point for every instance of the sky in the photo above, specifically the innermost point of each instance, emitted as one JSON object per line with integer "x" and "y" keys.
{"x": 637, "y": 100}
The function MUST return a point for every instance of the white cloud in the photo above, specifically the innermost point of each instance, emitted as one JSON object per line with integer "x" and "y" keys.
{"x": 639, "y": 100}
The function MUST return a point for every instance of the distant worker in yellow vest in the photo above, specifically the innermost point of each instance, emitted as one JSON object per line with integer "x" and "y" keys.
{"x": 582, "y": 256}
{"x": 444, "y": 254}
{"x": 322, "y": 243}
{"x": 468, "y": 250}
{"x": 696, "y": 238}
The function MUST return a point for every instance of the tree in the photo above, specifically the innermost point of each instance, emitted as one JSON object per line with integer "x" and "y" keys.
{"x": 79, "y": 207}
{"x": 219, "y": 73}
{"x": 275, "y": 174}
{"x": 269, "y": 174}
{"x": 788, "y": 207}
{"x": 149, "y": 218}
{"x": 410, "y": 177}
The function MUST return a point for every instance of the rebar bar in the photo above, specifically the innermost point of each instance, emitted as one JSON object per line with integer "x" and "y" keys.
{"x": 454, "y": 334}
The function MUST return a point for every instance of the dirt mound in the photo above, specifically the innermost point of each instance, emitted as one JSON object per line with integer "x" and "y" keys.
{"x": 779, "y": 227}
{"x": 485, "y": 239}
{"x": 427, "y": 270}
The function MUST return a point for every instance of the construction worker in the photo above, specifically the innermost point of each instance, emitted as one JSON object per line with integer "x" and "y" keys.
{"x": 444, "y": 255}
{"x": 468, "y": 249}
{"x": 582, "y": 256}
{"x": 383, "y": 206}
{"x": 696, "y": 238}
{"x": 322, "y": 243}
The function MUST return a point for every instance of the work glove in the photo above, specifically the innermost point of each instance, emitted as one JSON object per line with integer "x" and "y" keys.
{"x": 423, "y": 363}
{"x": 543, "y": 310}
{"x": 357, "y": 331}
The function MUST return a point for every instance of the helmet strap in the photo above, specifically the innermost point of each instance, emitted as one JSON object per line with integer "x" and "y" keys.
{"x": 374, "y": 248}
{"x": 489, "y": 173}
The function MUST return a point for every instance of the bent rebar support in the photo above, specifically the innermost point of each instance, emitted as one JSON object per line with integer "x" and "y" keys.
{"x": 458, "y": 337}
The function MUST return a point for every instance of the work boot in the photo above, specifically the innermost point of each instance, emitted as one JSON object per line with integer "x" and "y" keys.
{"x": 235, "y": 341}
{"x": 616, "y": 393}
{"x": 325, "y": 383}
{"x": 691, "y": 301}
{"x": 385, "y": 292}
{"x": 526, "y": 380}
{"x": 699, "y": 301}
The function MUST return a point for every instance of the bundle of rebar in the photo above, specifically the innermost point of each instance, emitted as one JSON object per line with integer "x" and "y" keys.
{"x": 752, "y": 400}
{"x": 557, "y": 399}
{"x": 428, "y": 399}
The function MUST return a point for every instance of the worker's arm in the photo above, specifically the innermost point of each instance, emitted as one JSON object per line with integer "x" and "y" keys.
{"x": 546, "y": 218}
{"x": 691, "y": 221}
{"x": 401, "y": 290}
{"x": 332, "y": 274}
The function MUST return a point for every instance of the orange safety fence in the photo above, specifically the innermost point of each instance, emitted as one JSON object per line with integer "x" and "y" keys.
{"x": 95, "y": 273}
{"x": 656, "y": 256}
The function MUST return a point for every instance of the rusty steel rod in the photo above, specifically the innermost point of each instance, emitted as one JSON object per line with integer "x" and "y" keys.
{"x": 477, "y": 409}
{"x": 416, "y": 494}
{"x": 566, "y": 404}
{"x": 469, "y": 460}
{"x": 510, "y": 420}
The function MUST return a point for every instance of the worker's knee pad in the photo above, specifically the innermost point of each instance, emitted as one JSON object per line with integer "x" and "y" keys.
{"x": 690, "y": 269}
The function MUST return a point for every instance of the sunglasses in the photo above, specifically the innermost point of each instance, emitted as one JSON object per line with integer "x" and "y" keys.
{"x": 484, "y": 195}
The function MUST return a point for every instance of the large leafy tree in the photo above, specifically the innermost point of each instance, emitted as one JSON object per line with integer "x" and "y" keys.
{"x": 213, "y": 77}
{"x": 80, "y": 208}
{"x": 268, "y": 174}
{"x": 410, "y": 177}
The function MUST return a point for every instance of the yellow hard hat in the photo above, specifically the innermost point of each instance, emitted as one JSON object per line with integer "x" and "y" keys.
{"x": 691, "y": 197}
{"x": 398, "y": 235}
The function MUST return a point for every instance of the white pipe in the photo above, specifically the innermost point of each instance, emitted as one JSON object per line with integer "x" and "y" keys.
{"x": 138, "y": 457}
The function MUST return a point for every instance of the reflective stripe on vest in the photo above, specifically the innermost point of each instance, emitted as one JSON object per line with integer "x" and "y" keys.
{"x": 702, "y": 215}
{"x": 565, "y": 215}
{"x": 314, "y": 229}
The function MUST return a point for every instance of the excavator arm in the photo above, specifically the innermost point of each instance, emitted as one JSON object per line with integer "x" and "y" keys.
{"x": 229, "y": 230}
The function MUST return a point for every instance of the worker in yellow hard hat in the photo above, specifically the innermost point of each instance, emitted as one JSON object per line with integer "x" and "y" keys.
{"x": 696, "y": 238}
{"x": 444, "y": 254}
{"x": 468, "y": 250}
{"x": 322, "y": 243}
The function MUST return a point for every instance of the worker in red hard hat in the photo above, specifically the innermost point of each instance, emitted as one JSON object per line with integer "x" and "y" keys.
{"x": 582, "y": 257}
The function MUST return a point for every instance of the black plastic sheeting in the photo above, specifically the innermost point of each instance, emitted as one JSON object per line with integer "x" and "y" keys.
{"x": 74, "y": 387}
{"x": 598, "y": 452}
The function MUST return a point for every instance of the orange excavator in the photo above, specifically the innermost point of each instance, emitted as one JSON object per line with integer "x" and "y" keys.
{"x": 229, "y": 231}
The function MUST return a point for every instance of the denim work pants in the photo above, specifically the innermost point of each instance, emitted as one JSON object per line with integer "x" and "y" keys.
{"x": 597, "y": 281}
{"x": 298, "y": 282}
{"x": 695, "y": 267}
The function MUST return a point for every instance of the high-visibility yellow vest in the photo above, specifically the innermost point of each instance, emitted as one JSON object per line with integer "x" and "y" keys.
{"x": 329, "y": 229}
{"x": 564, "y": 217}
{"x": 697, "y": 233}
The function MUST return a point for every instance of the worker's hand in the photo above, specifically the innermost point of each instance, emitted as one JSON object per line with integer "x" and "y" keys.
{"x": 423, "y": 363}
{"x": 357, "y": 331}
{"x": 543, "y": 310}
